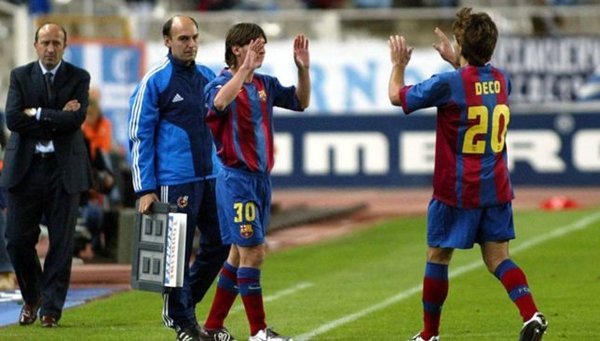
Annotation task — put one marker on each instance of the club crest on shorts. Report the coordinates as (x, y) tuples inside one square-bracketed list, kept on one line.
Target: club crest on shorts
[(246, 231), (182, 202)]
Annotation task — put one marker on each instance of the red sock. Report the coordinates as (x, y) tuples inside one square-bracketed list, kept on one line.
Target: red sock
[(515, 283), (220, 308), (435, 291), (255, 313), (251, 293), (224, 297)]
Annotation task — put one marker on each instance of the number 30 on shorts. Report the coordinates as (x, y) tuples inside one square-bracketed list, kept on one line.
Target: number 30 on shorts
[(244, 212), (473, 144)]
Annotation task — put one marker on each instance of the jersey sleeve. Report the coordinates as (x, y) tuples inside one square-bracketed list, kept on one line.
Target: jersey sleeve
[(210, 92), (283, 96), (143, 118), (432, 92)]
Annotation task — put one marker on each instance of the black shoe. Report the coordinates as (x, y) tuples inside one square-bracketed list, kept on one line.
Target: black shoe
[(29, 313), (216, 335), (534, 329), (49, 321), (189, 333)]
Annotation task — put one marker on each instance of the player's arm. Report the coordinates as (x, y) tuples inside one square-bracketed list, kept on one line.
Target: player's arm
[(400, 54), (302, 60), (445, 48), (230, 90)]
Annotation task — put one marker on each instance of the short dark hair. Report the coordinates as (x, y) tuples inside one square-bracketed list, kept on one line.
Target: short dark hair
[(37, 32), (166, 29), (477, 34), (240, 35)]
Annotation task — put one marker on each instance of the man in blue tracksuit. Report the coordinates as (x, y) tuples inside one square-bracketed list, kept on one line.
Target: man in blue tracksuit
[(171, 150)]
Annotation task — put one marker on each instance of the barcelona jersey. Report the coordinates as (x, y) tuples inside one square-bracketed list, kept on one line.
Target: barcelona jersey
[(471, 168), (243, 131)]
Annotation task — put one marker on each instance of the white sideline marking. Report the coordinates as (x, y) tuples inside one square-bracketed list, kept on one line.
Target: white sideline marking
[(559, 232), (278, 295)]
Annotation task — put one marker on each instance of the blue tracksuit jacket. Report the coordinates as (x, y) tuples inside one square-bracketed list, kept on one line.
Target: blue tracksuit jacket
[(168, 140)]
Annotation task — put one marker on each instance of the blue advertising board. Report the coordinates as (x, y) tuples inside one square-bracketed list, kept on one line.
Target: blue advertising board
[(557, 149)]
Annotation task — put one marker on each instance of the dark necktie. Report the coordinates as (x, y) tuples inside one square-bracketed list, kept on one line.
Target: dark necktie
[(49, 91)]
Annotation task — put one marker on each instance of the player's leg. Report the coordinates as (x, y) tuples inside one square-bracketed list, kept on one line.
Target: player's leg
[(515, 282), (225, 294), (253, 215), (435, 290), (497, 229), (253, 212), (495, 255), (447, 228), (251, 259)]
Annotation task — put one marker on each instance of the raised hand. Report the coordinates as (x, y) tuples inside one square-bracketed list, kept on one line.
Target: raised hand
[(400, 52), (445, 49), (255, 54), (301, 54)]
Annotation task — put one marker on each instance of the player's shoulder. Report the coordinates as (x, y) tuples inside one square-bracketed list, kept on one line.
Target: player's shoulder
[(268, 81), (223, 77), (451, 74), (456, 75), (216, 83), (441, 78), (265, 77), (500, 70)]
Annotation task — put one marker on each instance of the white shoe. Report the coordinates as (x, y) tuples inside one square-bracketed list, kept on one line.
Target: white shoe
[(268, 334), (419, 338)]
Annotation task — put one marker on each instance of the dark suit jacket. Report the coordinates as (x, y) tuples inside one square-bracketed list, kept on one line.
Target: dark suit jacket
[(27, 90)]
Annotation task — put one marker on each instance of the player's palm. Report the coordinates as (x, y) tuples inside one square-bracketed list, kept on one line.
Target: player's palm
[(301, 54), (444, 47), (400, 52), (255, 54)]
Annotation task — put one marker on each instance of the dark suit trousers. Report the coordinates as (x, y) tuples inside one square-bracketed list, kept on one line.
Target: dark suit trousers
[(42, 194)]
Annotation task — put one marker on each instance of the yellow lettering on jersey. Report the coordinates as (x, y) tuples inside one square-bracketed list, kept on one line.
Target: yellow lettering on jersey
[(487, 88)]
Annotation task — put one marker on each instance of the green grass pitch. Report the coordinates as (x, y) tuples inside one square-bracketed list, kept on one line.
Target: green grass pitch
[(366, 286)]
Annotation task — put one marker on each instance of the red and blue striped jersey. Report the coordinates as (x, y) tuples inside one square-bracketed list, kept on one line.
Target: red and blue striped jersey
[(471, 168), (243, 131)]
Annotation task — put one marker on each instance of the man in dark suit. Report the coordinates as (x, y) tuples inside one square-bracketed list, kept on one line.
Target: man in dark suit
[(46, 168)]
